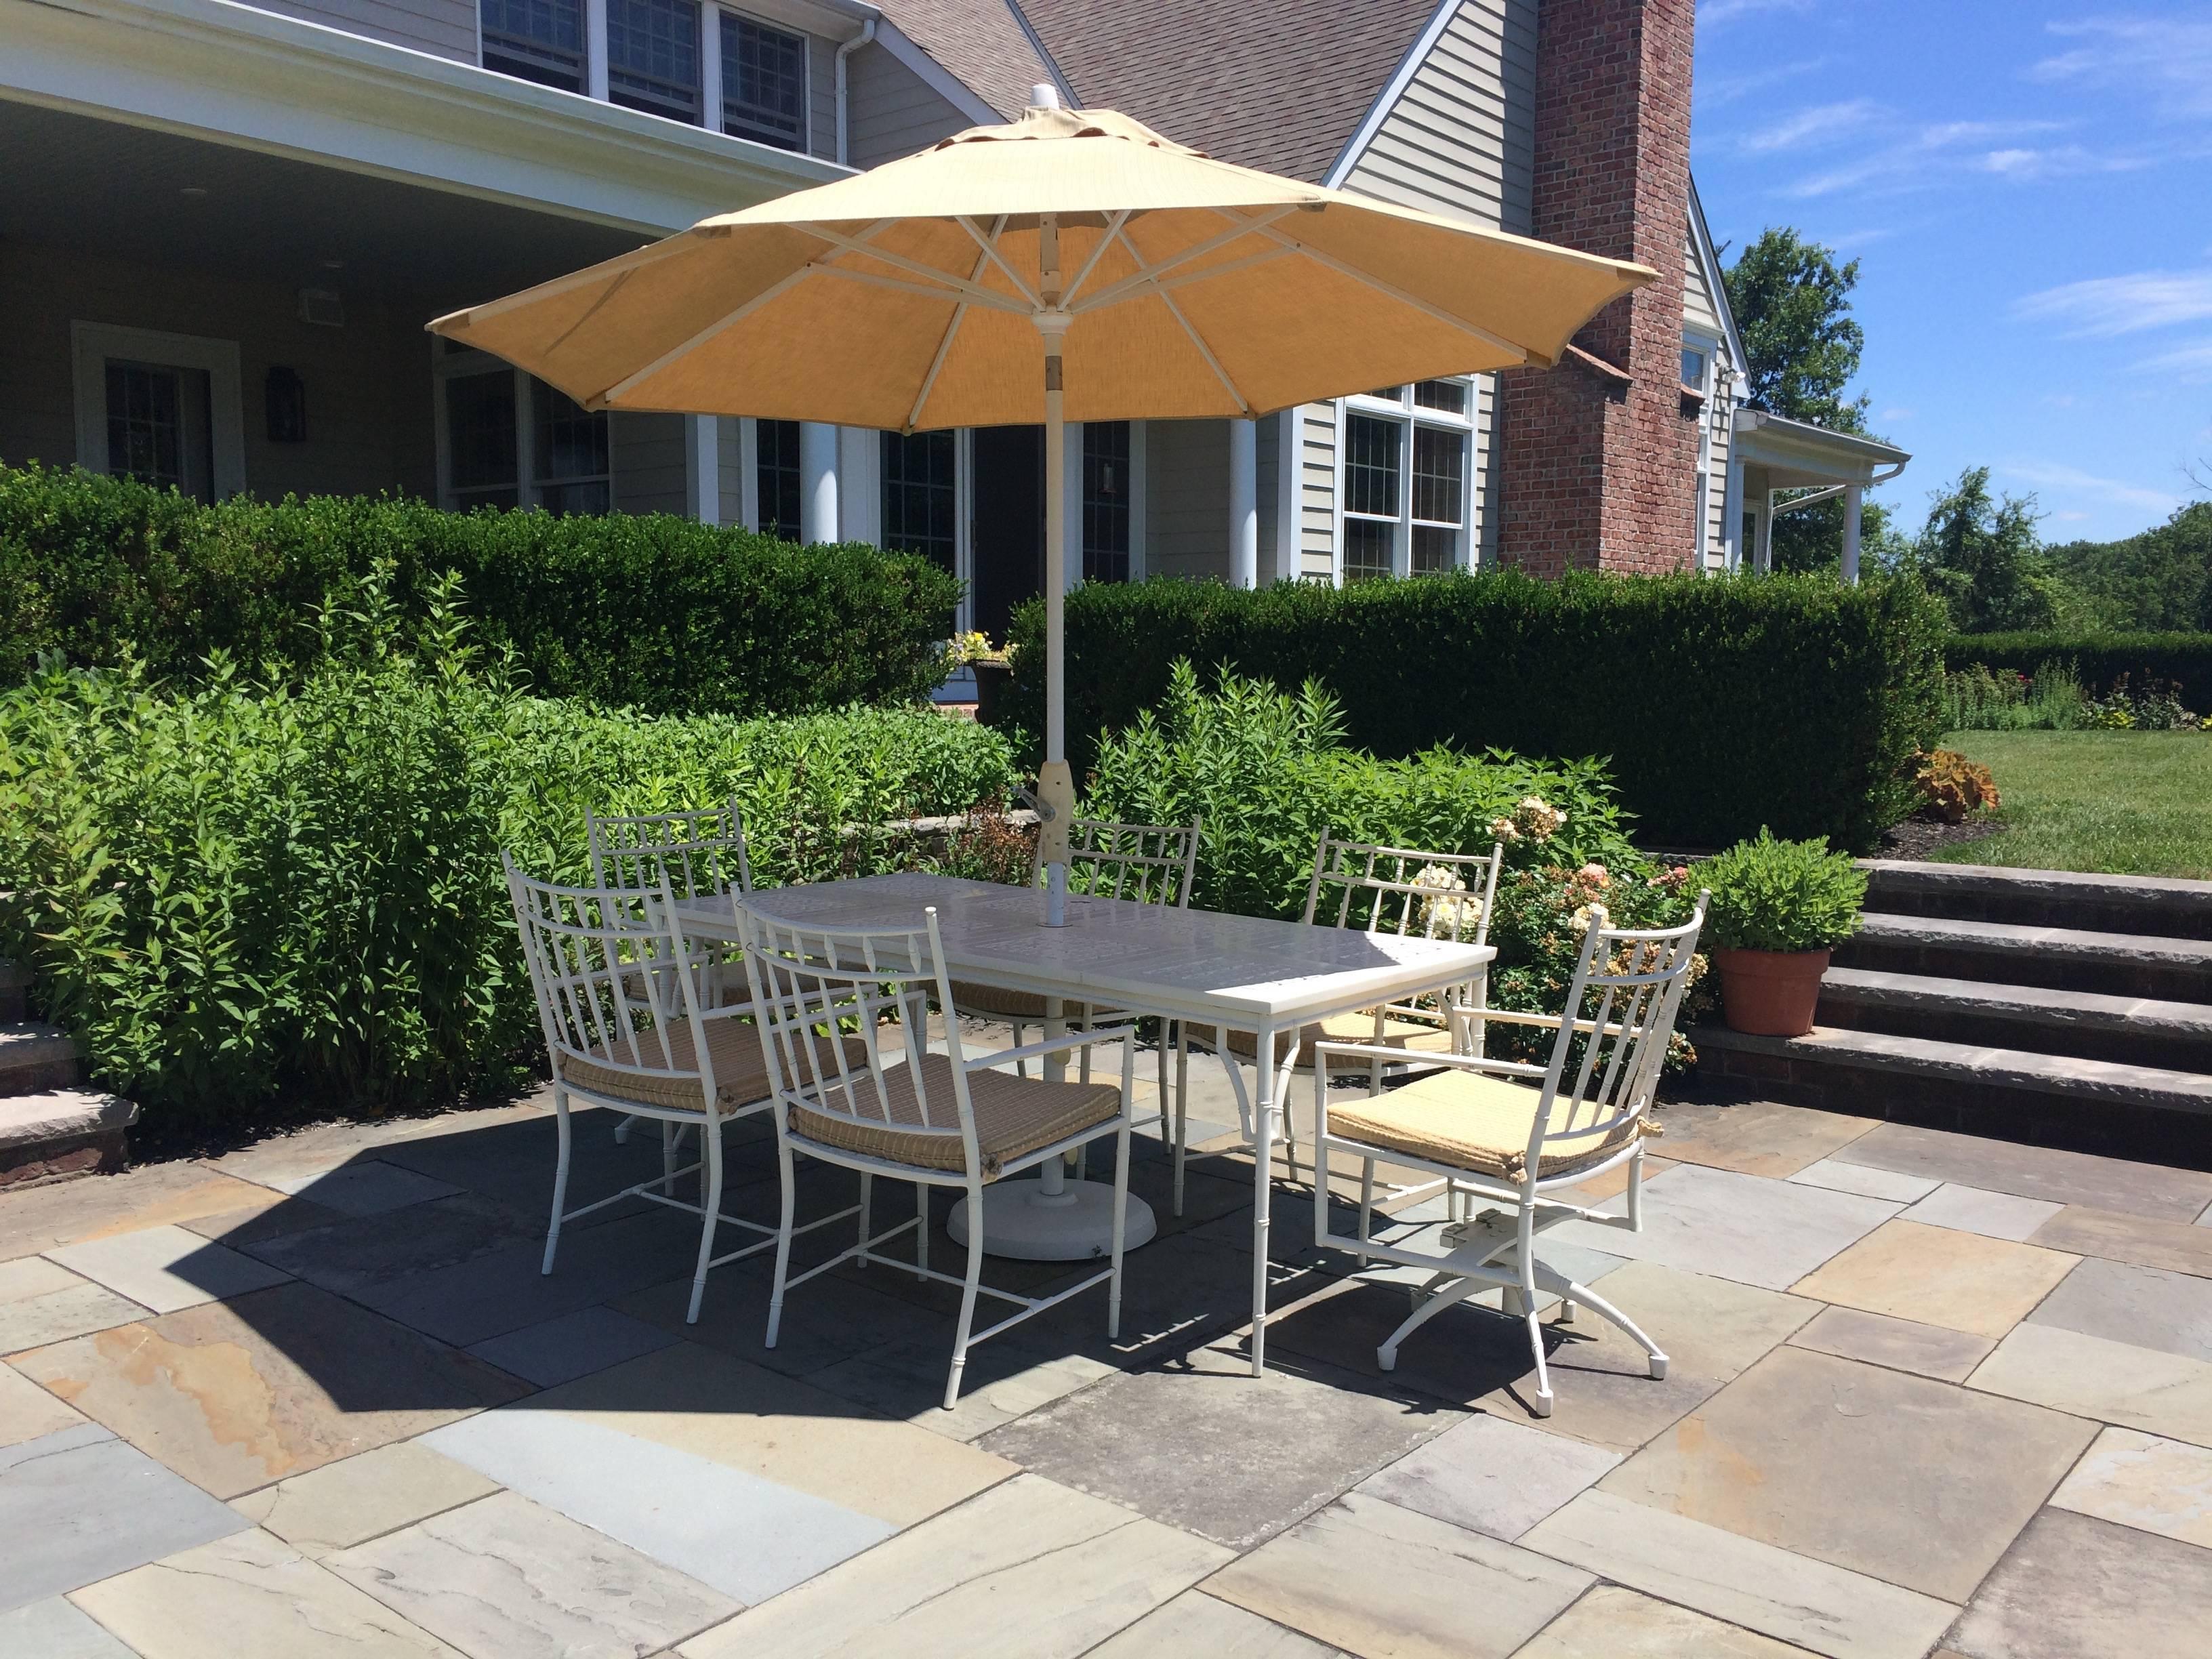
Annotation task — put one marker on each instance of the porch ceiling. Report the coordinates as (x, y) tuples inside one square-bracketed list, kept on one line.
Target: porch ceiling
[(78, 181)]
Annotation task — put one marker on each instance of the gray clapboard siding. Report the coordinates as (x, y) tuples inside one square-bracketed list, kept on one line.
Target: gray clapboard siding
[(729, 464), (895, 111), (446, 28), (1720, 418), (1187, 498), (649, 471), (1317, 490), (1698, 308), (822, 95)]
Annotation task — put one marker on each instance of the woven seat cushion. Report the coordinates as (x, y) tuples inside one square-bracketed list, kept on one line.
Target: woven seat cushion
[(991, 1002), (1478, 1122), (733, 1045), (1013, 1115), (1415, 1037)]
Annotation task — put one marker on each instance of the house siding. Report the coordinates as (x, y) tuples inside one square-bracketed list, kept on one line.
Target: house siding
[(444, 29), (647, 456), (821, 95), (1317, 492), (1187, 498), (1719, 420), (1267, 473), (1699, 310), (895, 111)]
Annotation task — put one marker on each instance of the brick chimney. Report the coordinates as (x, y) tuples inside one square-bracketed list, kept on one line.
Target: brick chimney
[(1599, 457)]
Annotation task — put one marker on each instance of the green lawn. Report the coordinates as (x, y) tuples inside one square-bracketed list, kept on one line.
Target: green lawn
[(2127, 803)]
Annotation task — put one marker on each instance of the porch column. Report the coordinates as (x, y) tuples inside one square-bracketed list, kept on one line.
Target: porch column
[(1732, 513), (1852, 495), (1763, 556), (702, 444), (1243, 504), (595, 49), (1289, 464), (817, 481)]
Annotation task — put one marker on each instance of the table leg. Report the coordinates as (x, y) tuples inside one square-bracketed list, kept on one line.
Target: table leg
[(1263, 1166)]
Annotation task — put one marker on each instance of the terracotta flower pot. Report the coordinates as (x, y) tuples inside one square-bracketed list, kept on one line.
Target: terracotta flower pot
[(1770, 993)]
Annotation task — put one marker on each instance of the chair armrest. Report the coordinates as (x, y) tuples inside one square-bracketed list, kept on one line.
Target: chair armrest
[(1455, 1062), (1549, 1022), (1049, 1045)]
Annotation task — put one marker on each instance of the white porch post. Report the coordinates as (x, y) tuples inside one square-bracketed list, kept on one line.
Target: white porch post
[(1732, 513), (1763, 556), (1243, 504), (1288, 462), (702, 445), (1853, 495), (859, 484), (595, 49), (710, 67), (817, 481)]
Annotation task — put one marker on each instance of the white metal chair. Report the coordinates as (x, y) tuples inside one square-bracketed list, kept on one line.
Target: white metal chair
[(1500, 1130), (894, 1109), (630, 1025)]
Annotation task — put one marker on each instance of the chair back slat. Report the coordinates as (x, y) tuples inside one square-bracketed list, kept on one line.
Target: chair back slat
[(1403, 889), (1147, 863), (701, 854)]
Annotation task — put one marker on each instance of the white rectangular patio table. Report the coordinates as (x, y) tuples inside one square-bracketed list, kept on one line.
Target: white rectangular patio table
[(1244, 973)]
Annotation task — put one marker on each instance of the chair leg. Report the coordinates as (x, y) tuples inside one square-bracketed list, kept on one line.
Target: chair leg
[(1161, 1054), (1386, 1356), (1121, 1224), (967, 1294), (560, 1178), (1541, 1402), (710, 1148), (1181, 1110), (782, 1244), (1366, 1207), (921, 1228), (1021, 1067), (667, 1158), (1654, 1358), (621, 1130), (867, 1209)]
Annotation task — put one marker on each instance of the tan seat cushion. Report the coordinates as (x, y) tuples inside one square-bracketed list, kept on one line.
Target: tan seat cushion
[(733, 1045), (1013, 1116), (1478, 1122), (991, 1002), (1415, 1037)]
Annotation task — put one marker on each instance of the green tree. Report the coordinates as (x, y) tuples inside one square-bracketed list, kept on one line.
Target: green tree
[(1983, 557), (2160, 579)]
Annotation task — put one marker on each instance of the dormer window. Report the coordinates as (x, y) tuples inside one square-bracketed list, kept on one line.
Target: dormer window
[(763, 83), (652, 56), (540, 40)]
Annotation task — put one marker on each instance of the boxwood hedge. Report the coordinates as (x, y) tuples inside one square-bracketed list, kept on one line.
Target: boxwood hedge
[(2098, 659)]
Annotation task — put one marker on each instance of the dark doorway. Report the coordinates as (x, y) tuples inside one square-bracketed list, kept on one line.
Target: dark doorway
[(1009, 541)]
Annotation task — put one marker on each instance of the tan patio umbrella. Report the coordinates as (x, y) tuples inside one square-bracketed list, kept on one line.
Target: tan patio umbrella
[(1070, 265)]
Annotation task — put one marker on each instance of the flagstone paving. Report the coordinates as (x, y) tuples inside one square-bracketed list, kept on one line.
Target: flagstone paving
[(1928, 1394)]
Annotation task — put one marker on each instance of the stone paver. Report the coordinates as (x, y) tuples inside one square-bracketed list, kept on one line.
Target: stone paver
[(1755, 1137), (1029, 1570), (365, 1255), (78, 1506), (167, 1267), (1766, 1457), (1007, 1378), (1900, 1344), (1971, 1209), (2076, 1588), (1612, 1623), (1490, 1474), (249, 1596), (1865, 1180), (368, 1188), (37, 1317), (2042, 1172), (27, 1411), (2145, 1389), (69, 1211), (2144, 1482), (2143, 1307), (233, 1396), (2118, 1238), (1200, 1627), (1807, 1603), (342, 1504), (1373, 1579), (1752, 1229), (57, 1629), (570, 1346), (505, 1576), (1939, 1276)]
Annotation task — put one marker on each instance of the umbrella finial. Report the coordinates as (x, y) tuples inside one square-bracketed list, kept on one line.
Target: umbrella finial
[(1044, 95)]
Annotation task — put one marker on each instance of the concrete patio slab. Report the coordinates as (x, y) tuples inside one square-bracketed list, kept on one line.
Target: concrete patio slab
[(1754, 1137), (1807, 1603), (57, 1629), (2143, 1307), (2118, 1238), (79, 1506), (1373, 1579), (2145, 1389), (1865, 1180), (1902, 1345), (1612, 1623), (505, 1576), (1751, 1228), (2141, 1481), (1765, 1456), (78, 1308), (1194, 1624), (1974, 1210), (2076, 1588), (40, 1217), (367, 1187), (33, 1276), (1028, 1570), (251, 1596), (570, 1346), (825, 1321), (27, 1411), (2043, 1172), (360, 1255), (344, 1503), (272, 1216), (1491, 1475), (233, 1396), (1939, 1276), (167, 1267), (1005, 1379)]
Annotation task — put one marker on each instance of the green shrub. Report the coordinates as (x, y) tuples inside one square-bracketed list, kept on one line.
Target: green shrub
[(653, 612), (1714, 704), (2184, 661), (246, 898), (1772, 895)]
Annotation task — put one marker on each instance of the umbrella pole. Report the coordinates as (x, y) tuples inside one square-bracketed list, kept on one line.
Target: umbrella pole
[(1056, 784)]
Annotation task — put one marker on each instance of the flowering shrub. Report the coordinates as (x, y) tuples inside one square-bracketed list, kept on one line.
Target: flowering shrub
[(2156, 707), (1953, 785)]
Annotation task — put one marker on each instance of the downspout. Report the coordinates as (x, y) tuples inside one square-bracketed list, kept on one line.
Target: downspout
[(844, 93)]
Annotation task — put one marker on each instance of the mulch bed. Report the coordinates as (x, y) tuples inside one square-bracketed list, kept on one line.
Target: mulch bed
[(1923, 838)]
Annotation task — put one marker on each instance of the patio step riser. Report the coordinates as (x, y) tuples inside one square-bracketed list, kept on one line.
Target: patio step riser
[(14, 993), (2136, 1044), (2036, 898), (35, 1058), (2119, 974)]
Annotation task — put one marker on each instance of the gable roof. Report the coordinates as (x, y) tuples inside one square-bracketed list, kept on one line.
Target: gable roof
[(1282, 86), (985, 44)]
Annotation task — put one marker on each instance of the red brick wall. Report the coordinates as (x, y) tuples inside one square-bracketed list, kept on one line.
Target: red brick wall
[(1597, 474)]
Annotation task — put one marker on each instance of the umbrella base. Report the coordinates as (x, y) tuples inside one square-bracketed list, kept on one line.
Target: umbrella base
[(1021, 1220)]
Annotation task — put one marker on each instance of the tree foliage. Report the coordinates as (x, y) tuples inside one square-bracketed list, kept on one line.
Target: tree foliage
[(2159, 580), (1982, 555)]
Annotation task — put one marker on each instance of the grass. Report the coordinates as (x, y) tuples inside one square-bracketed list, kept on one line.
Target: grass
[(2122, 803)]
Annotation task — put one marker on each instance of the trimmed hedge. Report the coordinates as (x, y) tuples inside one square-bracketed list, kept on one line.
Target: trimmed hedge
[(2098, 660), (653, 612), (1718, 704)]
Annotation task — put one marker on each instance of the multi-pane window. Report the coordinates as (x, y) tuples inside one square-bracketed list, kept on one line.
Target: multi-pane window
[(920, 499), (652, 56), (1106, 502), (573, 474), (145, 424), (777, 470), (1406, 467), (540, 40), (1694, 367), (763, 83), (480, 441)]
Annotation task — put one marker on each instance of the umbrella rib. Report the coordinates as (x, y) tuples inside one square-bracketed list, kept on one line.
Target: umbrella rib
[(991, 252), (945, 344), (619, 267), (1149, 276), (1115, 221), (955, 284), (620, 387), (961, 295), (1176, 311), (1391, 291)]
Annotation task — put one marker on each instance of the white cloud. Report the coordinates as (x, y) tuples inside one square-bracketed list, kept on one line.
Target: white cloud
[(1915, 157), (1888, 415), (1715, 13), (2106, 307), (2167, 59), (1857, 239), (1821, 124), (1723, 90), (2073, 481), (2192, 363), (2070, 516), (2058, 161)]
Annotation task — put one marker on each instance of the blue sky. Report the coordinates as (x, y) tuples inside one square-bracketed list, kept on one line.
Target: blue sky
[(2028, 189)]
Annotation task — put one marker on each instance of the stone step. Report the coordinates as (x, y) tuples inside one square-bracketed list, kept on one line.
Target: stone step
[(2014, 1094), (15, 990), (2011, 953), (2154, 905), (35, 1057), (62, 1132), (2131, 1031)]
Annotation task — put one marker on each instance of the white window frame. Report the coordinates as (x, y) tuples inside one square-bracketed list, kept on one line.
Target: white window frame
[(1696, 339), (91, 345), (446, 365), (781, 26), (1409, 416)]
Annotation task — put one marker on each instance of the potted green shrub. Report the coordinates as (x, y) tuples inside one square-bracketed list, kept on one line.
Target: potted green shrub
[(1778, 909)]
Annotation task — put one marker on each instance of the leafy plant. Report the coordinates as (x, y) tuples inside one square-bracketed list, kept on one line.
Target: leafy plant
[(2183, 661), (1789, 896), (1954, 786)]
